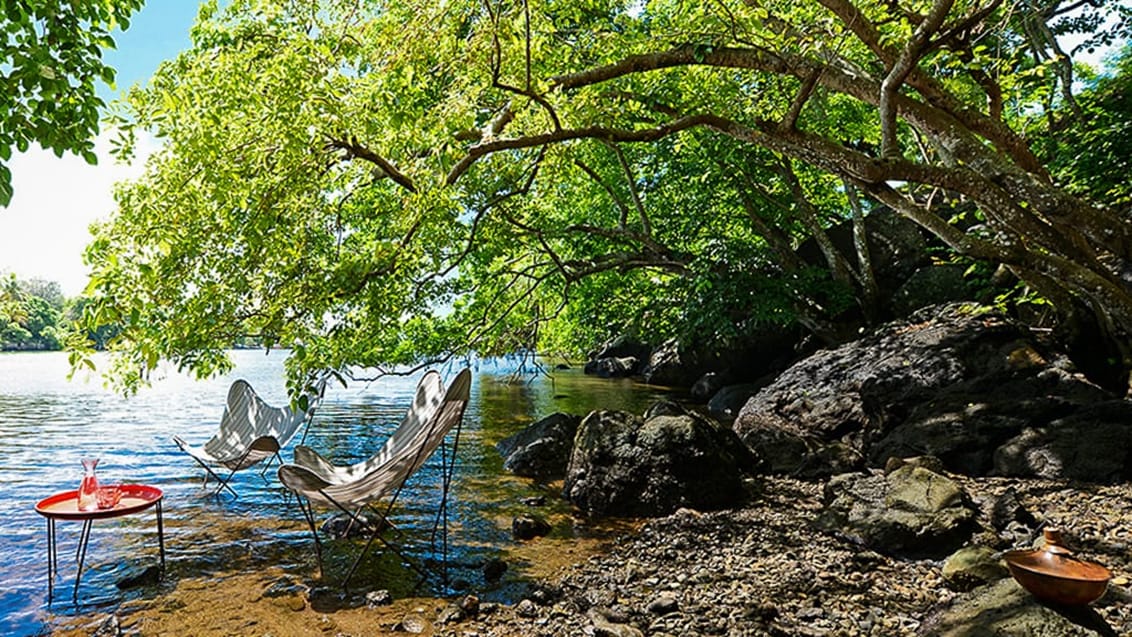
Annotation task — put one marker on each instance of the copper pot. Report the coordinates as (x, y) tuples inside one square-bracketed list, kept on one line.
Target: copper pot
[(1052, 574)]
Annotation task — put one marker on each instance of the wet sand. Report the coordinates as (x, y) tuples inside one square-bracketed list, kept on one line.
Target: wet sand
[(275, 590)]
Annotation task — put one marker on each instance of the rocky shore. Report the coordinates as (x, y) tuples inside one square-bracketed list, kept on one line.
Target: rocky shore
[(765, 569), (867, 490)]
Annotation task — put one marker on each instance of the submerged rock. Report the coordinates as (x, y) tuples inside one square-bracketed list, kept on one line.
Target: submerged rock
[(148, 576), (542, 450), (342, 526), (287, 593), (528, 527), (494, 569), (624, 465)]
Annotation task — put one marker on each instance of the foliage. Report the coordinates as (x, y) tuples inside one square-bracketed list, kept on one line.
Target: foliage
[(50, 61), (1105, 136), (394, 182), (31, 315)]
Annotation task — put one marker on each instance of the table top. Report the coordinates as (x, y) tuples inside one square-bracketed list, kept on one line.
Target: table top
[(65, 505)]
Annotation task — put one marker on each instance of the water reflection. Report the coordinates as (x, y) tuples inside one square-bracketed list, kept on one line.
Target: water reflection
[(48, 424)]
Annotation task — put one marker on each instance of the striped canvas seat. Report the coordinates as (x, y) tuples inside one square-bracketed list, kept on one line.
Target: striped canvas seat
[(250, 432), (433, 414)]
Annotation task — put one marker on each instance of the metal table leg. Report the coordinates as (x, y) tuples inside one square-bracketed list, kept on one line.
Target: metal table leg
[(52, 565), (84, 539), (161, 536)]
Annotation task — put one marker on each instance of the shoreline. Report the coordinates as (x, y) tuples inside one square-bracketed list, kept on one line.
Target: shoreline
[(756, 570)]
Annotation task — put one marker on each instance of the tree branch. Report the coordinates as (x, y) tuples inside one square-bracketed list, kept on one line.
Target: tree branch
[(790, 120), (354, 149), (909, 57), (622, 209), (646, 226)]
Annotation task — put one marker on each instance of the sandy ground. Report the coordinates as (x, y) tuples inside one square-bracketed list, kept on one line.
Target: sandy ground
[(286, 599)]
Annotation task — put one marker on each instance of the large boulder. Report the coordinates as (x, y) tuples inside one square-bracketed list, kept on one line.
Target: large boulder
[(624, 465), (953, 381), (728, 401), (623, 346), (965, 424), (897, 247), (707, 385), (542, 450), (911, 511), (612, 367), (931, 285), (618, 358), (1091, 444), (672, 365), (755, 354)]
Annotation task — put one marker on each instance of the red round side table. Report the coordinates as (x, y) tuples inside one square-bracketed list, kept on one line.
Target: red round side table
[(65, 506)]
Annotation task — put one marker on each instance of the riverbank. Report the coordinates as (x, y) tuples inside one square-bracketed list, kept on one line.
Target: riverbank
[(757, 570)]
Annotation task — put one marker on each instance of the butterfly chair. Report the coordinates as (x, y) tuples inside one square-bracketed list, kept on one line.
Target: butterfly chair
[(250, 432), (352, 489)]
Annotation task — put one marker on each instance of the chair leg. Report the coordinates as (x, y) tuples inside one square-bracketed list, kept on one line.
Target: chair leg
[(375, 535), (224, 483), (308, 512), (210, 472), (267, 465)]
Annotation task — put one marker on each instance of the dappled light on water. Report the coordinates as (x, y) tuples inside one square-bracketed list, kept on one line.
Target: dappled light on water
[(215, 545)]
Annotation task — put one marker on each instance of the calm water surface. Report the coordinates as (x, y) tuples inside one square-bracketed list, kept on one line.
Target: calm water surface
[(48, 424)]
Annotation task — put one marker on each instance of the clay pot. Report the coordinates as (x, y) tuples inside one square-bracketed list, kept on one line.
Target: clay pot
[(1053, 575)]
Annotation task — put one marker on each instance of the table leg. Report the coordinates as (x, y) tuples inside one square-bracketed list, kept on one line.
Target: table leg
[(84, 538), (161, 536), (51, 563), (54, 549)]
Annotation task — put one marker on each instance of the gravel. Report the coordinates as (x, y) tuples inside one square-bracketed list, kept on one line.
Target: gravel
[(763, 570)]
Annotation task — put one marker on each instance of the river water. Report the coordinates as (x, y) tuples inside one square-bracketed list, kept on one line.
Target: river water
[(48, 424)]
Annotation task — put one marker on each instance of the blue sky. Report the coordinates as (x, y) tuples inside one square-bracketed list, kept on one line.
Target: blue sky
[(158, 32), (45, 229)]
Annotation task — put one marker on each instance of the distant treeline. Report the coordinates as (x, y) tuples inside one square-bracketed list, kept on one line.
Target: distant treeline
[(34, 315)]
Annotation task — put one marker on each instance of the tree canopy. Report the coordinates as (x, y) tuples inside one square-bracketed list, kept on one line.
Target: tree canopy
[(32, 314), (375, 183), (50, 62)]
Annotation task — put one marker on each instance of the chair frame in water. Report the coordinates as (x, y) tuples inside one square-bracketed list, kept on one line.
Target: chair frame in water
[(250, 432), (353, 489)]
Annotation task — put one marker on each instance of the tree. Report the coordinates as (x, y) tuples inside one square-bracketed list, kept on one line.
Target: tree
[(50, 60), (1106, 133), (12, 312), (390, 182), (30, 314)]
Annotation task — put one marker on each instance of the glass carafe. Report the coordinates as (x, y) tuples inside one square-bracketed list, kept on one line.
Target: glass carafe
[(88, 490)]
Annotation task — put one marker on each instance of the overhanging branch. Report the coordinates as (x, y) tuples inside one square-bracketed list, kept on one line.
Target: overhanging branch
[(355, 149)]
